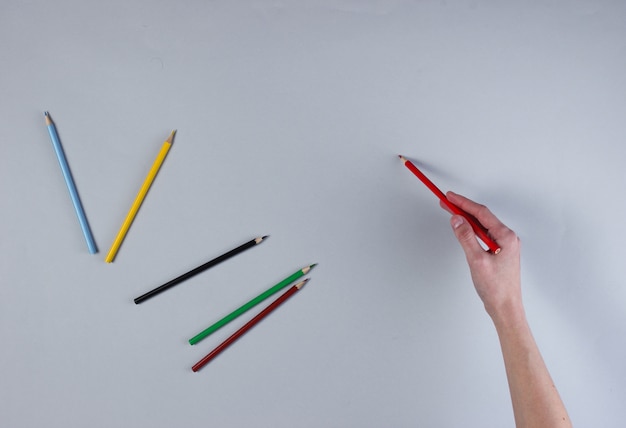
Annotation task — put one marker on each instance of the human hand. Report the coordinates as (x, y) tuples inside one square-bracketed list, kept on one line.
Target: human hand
[(496, 277), (536, 402)]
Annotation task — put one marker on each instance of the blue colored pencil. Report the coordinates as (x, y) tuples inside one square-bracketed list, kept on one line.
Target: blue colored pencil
[(91, 244)]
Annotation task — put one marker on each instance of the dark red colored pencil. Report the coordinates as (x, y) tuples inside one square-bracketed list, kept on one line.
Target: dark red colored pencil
[(225, 344), (478, 228)]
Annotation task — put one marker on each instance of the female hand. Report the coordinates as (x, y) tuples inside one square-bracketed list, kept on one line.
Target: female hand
[(496, 277)]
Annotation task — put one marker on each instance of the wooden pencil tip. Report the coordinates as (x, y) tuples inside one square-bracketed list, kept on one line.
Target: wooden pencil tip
[(170, 139), (260, 239), (302, 283)]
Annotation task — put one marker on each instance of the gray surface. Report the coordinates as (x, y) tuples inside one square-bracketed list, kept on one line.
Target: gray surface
[(290, 116)]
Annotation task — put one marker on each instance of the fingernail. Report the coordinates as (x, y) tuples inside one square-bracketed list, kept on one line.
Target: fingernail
[(457, 221)]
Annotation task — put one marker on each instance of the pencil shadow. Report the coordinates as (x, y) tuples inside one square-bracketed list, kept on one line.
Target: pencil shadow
[(432, 170)]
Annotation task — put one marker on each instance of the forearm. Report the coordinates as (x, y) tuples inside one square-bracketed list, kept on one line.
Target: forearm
[(536, 401)]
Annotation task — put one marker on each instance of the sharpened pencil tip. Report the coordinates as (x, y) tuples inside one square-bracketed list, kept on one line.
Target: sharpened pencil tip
[(308, 268), (260, 239), (45, 113), (302, 283), (170, 139)]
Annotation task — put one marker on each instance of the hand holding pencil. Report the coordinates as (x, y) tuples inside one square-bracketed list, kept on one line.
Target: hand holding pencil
[(478, 228), (496, 279)]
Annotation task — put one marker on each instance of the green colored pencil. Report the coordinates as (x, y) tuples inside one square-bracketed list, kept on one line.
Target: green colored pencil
[(252, 303)]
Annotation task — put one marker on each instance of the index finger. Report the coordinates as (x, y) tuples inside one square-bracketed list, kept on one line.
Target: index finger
[(479, 211)]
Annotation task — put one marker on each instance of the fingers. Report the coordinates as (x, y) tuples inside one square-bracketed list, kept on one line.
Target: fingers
[(466, 237), (480, 212), (495, 228)]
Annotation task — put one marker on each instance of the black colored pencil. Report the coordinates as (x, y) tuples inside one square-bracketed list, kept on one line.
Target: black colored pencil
[(200, 268)]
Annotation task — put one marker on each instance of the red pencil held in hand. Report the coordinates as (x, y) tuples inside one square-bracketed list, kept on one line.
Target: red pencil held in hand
[(478, 228)]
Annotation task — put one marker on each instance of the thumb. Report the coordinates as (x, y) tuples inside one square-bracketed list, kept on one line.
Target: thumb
[(466, 236)]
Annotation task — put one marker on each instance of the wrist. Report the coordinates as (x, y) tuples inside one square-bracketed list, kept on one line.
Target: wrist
[(507, 314)]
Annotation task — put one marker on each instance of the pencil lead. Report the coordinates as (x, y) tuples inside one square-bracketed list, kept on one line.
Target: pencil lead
[(313, 265), (45, 113), (402, 158)]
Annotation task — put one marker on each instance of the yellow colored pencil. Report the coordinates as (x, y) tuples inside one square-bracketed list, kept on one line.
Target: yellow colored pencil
[(140, 197)]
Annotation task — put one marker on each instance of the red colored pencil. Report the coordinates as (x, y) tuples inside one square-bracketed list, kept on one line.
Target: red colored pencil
[(225, 344), (476, 226)]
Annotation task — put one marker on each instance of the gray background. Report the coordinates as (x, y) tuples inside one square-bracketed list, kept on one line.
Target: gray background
[(290, 116)]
